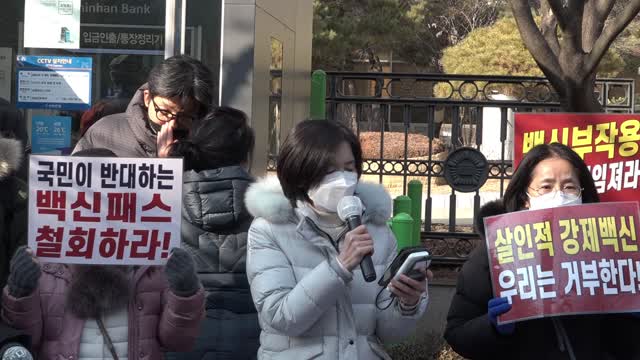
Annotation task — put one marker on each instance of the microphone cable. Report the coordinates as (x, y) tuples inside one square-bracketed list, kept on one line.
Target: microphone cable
[(380, 302)]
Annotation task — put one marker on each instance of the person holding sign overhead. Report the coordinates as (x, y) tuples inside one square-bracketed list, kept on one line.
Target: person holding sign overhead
[(550, 175), (303, 261), (89, 311)]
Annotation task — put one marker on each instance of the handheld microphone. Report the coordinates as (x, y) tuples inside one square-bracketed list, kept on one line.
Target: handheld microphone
[(15, 351), (350, 211)]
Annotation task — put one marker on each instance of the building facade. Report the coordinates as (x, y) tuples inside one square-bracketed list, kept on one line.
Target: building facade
[(259, 51)]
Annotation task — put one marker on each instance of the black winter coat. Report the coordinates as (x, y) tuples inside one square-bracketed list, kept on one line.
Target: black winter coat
[(13, 204), (215, 223), (13, 125), (470, 333)]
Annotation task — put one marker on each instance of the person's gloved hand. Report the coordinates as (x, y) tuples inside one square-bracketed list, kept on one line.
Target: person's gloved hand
[(499, 306), (181, 273), (24, 273)]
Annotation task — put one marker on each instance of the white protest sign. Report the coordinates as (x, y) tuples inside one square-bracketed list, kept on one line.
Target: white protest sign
[(108, 211)]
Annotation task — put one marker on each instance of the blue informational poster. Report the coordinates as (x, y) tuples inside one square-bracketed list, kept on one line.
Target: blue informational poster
[(54, 82), (51, 135)]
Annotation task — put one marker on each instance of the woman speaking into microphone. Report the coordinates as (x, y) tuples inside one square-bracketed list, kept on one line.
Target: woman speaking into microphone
[(303, 261)]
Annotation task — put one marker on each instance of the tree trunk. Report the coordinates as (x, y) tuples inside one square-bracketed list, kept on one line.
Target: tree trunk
[(576, 92), (579, 85), (581, 96), (570, 62)]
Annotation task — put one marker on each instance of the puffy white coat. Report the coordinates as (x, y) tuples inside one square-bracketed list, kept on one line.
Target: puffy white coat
[(310, 307), (92, 343)]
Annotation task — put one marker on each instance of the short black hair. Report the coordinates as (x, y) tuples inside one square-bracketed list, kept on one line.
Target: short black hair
[(222, 138), (184, 78), (309, 152), (515, 196)]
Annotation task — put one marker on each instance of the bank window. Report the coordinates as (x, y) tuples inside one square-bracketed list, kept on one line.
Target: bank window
[(84, 61), (275, 98)]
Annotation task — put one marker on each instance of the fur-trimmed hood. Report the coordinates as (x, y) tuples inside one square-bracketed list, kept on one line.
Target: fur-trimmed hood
[(265, 199), (491, 208), (11, 154)]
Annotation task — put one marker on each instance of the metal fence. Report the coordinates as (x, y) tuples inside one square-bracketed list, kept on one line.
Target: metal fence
[(408, 123)]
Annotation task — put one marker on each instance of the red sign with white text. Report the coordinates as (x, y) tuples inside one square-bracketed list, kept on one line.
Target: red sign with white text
[(608, 143), (568, 260)]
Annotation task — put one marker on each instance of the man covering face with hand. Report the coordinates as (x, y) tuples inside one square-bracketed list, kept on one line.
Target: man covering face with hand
[(178, 90)]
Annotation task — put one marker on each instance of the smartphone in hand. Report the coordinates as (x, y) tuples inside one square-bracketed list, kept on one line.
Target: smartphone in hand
[(412, 262)]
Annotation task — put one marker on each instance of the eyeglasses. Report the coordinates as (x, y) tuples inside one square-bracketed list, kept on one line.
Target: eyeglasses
[(568, 189), (166, 115)]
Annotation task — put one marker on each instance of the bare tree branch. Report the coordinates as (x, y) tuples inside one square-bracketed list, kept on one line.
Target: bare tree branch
[(549, 28), (590, 24), (537, 45), (604, 8), (463, 16), (618, 7), (576, 8), (560, 13), (470, 22), (570, 22), (629, 43), (595, 15), (610, 33)]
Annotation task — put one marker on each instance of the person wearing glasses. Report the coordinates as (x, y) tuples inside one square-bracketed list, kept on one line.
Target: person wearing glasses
[(178, 91), (550, 175)]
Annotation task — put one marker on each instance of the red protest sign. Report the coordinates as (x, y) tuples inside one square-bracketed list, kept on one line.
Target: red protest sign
[(567, 260), (608, 143), (92, 210)]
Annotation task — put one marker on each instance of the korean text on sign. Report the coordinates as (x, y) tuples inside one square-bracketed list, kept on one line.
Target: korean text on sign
[(608, 143), (566, 260), (91, 210)]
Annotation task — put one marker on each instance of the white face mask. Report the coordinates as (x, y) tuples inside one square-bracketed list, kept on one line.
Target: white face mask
[(552, 200), (332, 189)]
